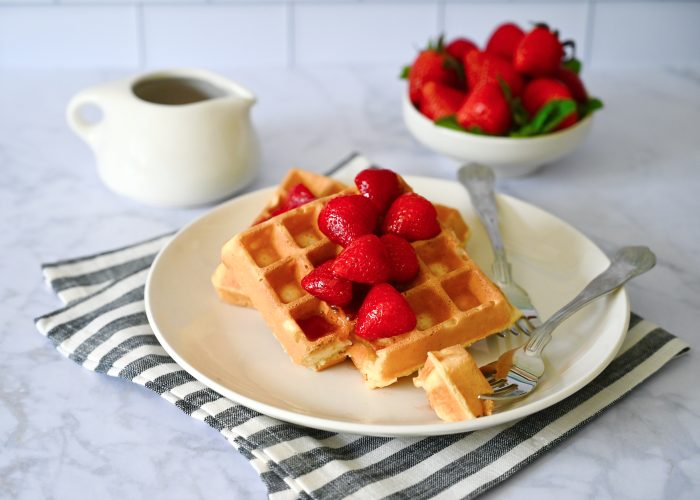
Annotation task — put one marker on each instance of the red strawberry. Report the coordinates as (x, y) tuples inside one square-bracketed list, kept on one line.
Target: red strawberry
[(460, 47), (346, 217), (486, 109), (384, 313), (322, 283), (504, 40), (483, 67), (363, 261), (412, 217), (379, 185), (431, 65), (539, 53), (574, 84), (296, 196), (542, 90), (402, 258), (439, 101)]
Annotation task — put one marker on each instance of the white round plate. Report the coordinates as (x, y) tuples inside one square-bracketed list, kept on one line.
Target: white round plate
[(231, 350)]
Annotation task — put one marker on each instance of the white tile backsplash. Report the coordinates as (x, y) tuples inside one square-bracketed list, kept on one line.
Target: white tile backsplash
[(216, 35), (232, 33), (354, 32), (629, 35), (69, 36)]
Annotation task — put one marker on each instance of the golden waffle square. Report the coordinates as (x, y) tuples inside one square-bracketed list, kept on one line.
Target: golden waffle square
[(452, 382), (455, 303)]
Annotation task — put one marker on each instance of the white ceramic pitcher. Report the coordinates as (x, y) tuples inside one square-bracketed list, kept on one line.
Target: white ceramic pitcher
[(170, 138)]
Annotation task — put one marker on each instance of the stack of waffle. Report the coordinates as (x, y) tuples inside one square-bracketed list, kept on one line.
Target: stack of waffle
[(454, 301)]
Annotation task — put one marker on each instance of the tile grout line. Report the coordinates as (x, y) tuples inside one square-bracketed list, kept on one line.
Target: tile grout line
[(291, 34)]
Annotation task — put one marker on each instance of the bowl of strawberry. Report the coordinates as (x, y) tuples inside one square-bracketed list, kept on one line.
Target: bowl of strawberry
[(517, 104)]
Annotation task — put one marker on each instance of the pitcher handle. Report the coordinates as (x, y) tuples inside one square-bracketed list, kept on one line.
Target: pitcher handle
[(83, 128)]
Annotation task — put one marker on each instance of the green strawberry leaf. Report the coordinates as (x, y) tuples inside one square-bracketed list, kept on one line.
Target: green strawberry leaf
[(437, 45), (474, 129), (517, 110), (547, 118), (449, 122), (573, 64), (405, 71), (588, 107)]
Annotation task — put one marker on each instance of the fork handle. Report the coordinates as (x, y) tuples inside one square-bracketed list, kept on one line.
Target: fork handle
[(628, 263), (479, 181)]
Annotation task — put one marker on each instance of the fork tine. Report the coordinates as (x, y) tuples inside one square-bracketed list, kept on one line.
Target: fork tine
[(518, 330), (505, 390), (531, 326), (502, 334), (524, 325), (498, 384)]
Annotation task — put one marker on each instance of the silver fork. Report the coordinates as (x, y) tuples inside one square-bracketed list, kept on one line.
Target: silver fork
[(479, 181), (525, 365)]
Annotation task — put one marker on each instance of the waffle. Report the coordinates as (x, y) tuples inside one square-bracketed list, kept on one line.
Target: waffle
[(224, 279), (452, 381), (271, 258), (455, 303)]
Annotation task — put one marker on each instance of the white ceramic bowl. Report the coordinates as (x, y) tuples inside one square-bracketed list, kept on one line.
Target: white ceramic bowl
[(508, 156)]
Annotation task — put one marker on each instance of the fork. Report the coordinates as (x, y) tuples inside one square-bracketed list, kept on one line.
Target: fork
[(479, 181), (525, 365)]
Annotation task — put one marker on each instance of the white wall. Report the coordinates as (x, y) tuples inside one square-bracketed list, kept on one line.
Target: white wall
[(236, 33)]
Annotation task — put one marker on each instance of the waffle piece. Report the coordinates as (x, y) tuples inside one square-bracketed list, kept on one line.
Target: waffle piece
[(452, 382), (455, 303), (270, 259)]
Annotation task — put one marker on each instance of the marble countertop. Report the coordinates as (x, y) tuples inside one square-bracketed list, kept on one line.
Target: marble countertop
[(69, 433)]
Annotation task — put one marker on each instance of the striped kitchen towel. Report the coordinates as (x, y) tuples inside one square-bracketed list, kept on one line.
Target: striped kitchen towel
[(104, 328)]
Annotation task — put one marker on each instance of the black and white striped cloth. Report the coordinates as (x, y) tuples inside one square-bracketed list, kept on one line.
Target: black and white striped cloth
[(104, 328)]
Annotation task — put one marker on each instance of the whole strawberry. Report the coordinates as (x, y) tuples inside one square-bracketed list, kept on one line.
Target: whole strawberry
[(384, 313), (439, 101), (483, 67), (432, 65), (573, 83), (322, 283), (363, 261), (347, 217), (539, 53), (460, 47), (412, 217), (543, 90), (486, 110), (504, 40), (402, 258), (379, 185)]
